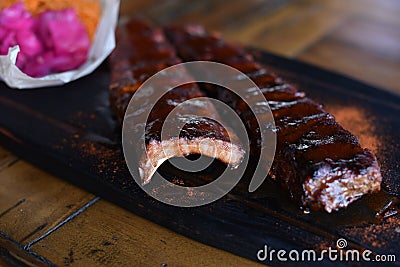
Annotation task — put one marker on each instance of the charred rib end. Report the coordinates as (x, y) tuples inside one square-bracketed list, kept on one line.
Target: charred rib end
[(339, 188), (160, 151)]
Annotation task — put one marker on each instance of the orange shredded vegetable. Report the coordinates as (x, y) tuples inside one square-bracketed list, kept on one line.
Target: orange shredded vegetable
[(89, 11)]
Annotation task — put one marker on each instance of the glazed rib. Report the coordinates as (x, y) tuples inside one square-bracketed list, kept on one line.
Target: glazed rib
[(320, 164), (141, 52)]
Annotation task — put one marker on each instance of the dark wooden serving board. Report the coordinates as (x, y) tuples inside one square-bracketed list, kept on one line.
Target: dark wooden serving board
[(70, 131)]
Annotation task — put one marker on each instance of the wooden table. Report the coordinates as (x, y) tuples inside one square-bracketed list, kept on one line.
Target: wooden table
[(41, 225)]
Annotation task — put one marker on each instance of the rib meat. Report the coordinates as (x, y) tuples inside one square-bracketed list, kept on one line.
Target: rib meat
[(319, 163), (141, 52)]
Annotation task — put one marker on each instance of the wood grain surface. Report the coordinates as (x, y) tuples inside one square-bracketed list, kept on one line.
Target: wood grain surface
[(41, 225)]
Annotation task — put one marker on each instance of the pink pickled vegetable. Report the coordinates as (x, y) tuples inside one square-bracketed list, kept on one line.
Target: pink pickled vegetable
[(8, 41), (3, 33), (16, 17), (29, 43), (55, 41)]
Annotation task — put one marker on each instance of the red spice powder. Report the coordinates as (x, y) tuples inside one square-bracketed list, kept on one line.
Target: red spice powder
[(355, 120)]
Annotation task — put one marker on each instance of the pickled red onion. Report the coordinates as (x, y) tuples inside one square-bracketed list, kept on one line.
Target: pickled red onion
[(54, 41)]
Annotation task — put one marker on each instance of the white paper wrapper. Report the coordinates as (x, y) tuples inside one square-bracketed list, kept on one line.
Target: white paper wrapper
[(102, 46)]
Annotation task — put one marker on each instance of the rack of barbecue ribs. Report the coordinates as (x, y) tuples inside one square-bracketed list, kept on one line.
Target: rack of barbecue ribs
[(141, 52), (320, 164)]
